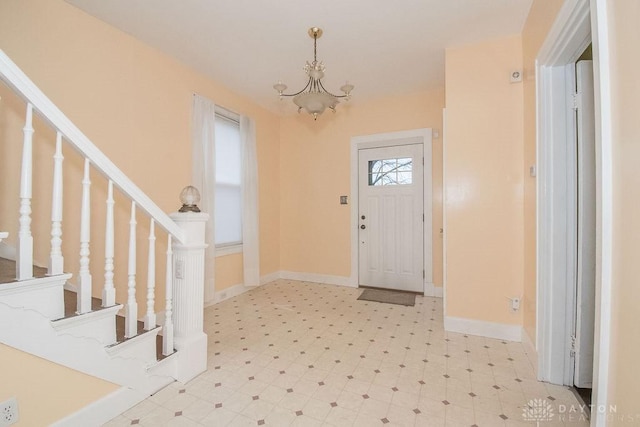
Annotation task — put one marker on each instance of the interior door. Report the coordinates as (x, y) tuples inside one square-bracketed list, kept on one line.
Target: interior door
[(586, 274), (391, 217)]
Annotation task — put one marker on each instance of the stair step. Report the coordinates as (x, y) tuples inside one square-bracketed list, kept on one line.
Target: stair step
[(97, 324), (8, 271), (42, 293), (70, 299), (141, 347)]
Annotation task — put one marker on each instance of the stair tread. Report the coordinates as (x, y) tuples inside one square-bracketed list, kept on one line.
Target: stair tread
[(8, 271), (8, 275), (70, 301)]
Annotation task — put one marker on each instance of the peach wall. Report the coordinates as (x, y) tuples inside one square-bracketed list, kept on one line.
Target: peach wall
[(46, 392), (539, 21), (484, 179), (135, 104), (625, 94), (315, 171)]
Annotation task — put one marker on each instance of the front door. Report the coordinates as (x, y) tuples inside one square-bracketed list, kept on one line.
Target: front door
[(391, 217)]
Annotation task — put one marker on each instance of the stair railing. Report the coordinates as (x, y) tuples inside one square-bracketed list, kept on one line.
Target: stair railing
[(177, 236)]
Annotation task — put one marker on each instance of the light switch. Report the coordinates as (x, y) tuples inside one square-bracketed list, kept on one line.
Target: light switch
[(344, 200)]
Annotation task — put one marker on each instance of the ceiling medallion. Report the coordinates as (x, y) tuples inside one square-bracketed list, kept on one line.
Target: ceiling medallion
[(314, 98)]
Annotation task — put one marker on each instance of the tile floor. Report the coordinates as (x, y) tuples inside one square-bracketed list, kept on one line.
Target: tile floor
[(307, 354)]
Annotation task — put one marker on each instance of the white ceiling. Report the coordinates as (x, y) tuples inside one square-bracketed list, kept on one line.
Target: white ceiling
[(383, 47)]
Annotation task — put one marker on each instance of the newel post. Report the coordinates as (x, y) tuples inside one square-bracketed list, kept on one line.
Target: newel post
[(188, 291)]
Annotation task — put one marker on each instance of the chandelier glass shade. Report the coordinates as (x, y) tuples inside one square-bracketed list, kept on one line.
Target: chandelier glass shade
[(314, 98)]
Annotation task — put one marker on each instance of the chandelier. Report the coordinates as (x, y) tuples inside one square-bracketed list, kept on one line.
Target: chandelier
[(314, 98)]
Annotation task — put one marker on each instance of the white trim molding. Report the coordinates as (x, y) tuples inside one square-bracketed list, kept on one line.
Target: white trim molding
[(431, 290), (578, 23), (530, 350), (501, 331), (318, 278), (103, 410), (227, 293)]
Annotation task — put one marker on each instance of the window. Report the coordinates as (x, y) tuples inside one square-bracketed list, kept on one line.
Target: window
[(390, 171), (228, 197)]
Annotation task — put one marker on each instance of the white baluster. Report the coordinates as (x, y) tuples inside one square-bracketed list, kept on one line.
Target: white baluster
[(24, 265), (131, 309), (167, 332), (109, 292), (56, 260), (84, 277), (150, 318)]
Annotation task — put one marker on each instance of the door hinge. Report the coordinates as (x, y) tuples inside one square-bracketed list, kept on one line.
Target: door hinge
[(423, 274), (572, 352), (575, 101), (422, 217)]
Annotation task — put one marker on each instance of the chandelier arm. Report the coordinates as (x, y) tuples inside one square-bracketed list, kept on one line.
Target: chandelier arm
[(298, 93), (335, 96)]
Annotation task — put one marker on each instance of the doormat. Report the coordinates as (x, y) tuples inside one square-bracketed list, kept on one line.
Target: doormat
[(388, 297)]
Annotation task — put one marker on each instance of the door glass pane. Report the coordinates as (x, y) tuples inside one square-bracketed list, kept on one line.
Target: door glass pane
[(390, 171)]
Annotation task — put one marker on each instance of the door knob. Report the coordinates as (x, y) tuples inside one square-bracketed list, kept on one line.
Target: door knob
[(363, 226), (363, 217)]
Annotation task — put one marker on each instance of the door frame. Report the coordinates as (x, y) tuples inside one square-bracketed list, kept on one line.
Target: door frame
[(577, 23), (415, 136)]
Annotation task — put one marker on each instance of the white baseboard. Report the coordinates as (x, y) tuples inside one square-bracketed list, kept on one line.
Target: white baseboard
[(430, 290), (104, 409), (227, 293), (530, 349), (485, 329), (268, 278), (318, 278)]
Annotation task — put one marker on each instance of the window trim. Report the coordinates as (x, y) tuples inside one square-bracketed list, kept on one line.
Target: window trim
[(228, 249)]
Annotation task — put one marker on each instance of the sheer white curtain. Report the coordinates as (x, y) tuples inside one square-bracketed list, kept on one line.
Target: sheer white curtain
[(250, 240), (204, 179)]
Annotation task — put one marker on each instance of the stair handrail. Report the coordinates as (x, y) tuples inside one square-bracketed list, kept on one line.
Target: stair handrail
[(13, 76)]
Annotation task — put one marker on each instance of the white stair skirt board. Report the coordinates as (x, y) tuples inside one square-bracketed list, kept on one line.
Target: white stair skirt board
[(45, 295), (85, 354), (104, 409), (430, 290), (141, 347), (99, 324), (484, 329), (318, 278)]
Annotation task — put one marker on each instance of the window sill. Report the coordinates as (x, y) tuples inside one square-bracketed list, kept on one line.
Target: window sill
[(228, 250)]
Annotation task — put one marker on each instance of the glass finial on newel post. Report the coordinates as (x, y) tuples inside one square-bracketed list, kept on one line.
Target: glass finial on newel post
[(190, 197)]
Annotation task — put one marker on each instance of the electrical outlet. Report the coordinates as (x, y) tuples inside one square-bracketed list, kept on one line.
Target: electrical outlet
[(515, 304), (9, 412)]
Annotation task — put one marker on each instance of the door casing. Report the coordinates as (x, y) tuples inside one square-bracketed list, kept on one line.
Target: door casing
[(577, 23), (414, 136)]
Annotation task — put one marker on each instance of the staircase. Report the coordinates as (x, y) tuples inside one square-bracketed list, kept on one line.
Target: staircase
[(54, 314)]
